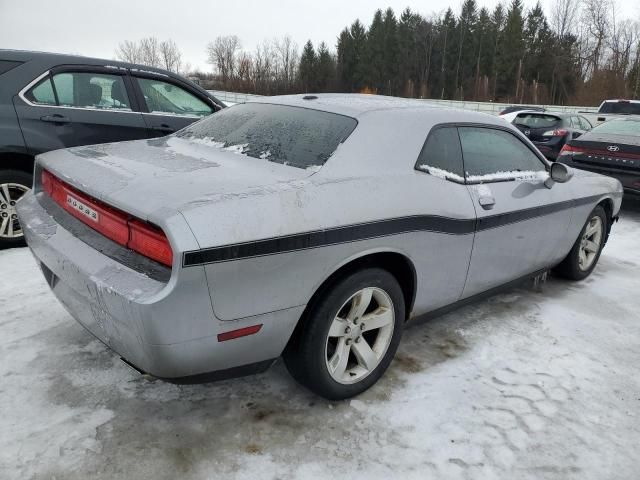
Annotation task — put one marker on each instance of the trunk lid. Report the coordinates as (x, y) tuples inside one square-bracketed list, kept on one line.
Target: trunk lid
[(613, 151), (148, 178)]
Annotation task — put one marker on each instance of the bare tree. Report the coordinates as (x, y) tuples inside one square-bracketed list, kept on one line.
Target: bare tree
[(151, 52), (222, 53), (170, 56), (286, 51), (597, 20), (128, 51), (563, 16)]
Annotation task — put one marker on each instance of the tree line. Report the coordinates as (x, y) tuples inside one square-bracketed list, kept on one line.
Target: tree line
[(580, 53)]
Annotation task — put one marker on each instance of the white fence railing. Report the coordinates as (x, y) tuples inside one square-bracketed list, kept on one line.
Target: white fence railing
[(486, 107)]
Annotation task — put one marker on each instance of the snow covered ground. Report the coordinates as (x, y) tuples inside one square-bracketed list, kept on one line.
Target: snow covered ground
[(525, 385)]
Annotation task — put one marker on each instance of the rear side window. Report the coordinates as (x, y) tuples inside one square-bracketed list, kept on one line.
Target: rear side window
[(441, 154), (91, 90), (493, 155), (81, 90), (537, 120), (6, 65), (625, 108), (295, 136), (163, 97), (42, 93)]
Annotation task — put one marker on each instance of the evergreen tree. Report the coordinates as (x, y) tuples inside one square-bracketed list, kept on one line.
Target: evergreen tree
[(511, 52), (326, 67), (465, 40), (390, 58), (307, 70), (376, 53)]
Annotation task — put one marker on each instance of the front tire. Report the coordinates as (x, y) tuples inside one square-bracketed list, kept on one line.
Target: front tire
[(350, 335), (584, 255), (13, 185)]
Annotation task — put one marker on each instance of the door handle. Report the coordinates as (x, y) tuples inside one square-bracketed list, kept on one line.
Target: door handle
[(56, 118), (163, 128), (486, 201)]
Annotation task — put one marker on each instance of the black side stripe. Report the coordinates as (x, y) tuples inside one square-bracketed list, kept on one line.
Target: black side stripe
[(332, 236), (370, 230)]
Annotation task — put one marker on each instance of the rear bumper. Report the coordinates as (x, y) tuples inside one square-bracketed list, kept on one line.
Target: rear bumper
[(167, 329)]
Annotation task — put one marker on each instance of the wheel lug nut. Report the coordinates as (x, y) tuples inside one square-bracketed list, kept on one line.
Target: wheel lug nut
[(4, 214), (355, 321), (362, 326), (12, 203), (357, 339), (348, 342), (347, 330)]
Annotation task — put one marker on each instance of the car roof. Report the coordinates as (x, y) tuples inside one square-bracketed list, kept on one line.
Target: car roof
[(358, 105), (62, 58)]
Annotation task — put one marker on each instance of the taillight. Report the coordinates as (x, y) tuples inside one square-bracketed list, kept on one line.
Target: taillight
[(570, 150), (558, 132), (150, 242), (114, 224)]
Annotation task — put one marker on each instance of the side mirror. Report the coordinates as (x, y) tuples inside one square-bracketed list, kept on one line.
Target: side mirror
[(560, 173)]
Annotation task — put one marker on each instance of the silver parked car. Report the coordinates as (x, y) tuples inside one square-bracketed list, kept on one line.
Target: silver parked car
[(310, 227)]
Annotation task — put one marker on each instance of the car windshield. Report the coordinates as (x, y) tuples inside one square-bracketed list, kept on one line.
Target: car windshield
[(300, 137), (619, 127), (621, 108), (537, 120)]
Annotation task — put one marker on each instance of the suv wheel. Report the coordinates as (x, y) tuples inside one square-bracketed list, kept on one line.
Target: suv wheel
[(350, 335), (13, 185)]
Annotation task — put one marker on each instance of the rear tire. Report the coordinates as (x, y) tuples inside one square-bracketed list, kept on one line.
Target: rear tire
[(350, 335), (13, 185), (584, 255)]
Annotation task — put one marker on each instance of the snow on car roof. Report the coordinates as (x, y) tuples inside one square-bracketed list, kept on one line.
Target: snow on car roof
[(358, 104)]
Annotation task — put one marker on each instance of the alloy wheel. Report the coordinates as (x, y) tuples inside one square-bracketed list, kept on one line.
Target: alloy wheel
[(10, 226), (359, 335), (590, 243)]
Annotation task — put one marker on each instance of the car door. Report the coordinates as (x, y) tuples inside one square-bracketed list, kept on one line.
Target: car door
[(168, 105), (444, 195), (520, 221), (76, 105)]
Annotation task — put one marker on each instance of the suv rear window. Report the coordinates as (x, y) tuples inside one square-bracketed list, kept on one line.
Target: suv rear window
[(624, 108), (300, 137), (537, 120)]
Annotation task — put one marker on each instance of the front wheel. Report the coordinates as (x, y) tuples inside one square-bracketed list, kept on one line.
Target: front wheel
[(350, 336), (13, 185), (584, 255)]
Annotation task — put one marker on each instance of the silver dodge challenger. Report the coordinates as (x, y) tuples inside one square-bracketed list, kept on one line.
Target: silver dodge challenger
[(308, 227)]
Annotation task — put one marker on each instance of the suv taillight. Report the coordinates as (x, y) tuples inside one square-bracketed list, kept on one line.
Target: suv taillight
[(114, 224)]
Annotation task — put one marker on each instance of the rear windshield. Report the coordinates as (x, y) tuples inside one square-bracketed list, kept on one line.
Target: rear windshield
[(537, 120), (295, 136), (624, 108), (619, 127)]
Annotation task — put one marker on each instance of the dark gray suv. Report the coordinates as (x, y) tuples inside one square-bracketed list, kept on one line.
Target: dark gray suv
[(50, 101)]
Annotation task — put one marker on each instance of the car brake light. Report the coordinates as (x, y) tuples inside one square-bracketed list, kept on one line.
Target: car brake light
[(114, 224), (558, 132), (150, 242), (570, 150)]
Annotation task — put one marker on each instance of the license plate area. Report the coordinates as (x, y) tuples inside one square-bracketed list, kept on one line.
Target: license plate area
[(77, 205)]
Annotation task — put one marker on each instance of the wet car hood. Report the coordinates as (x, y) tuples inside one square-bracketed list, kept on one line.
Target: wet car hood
[(150, 177)]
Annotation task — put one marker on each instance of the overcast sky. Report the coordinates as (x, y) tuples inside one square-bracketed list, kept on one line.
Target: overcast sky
[(95, 28)]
